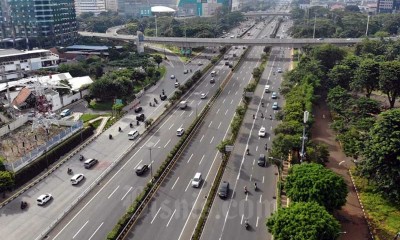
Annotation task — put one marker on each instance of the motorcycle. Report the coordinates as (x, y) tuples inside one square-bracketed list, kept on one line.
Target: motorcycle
[(110, 136), (248, 152), (266, 146), (245, 190), (130, 125), (137, 123), (24, 204), (270, 117), (155, 100), (255, 186), (119, 129), (246, 224), (81, 158), (254, 116), (262, 104), (69, 171)]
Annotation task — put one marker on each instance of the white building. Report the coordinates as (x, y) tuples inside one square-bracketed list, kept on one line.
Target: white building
[(93, 6), (14, 63)]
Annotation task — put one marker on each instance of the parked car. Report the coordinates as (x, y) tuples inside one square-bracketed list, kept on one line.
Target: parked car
[(141, 169), (43, 199), (65, 112)]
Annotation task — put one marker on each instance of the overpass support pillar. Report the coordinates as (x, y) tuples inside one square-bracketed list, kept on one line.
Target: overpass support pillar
[(139, 42)]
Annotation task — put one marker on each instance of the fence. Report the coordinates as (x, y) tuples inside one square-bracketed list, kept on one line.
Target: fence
[(29, 157)]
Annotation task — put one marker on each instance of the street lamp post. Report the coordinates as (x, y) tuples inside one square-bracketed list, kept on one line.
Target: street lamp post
[(151, 166), (155, 19), (366, 31), (305, 119), (315, 20)]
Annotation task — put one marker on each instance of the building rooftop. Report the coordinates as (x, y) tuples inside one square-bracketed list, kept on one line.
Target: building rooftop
[(87, 47), (15, 52)]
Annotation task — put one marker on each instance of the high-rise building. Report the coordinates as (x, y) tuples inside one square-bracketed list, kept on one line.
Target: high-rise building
[(38, 22), (385, 6), (93, 6), (200, 7)]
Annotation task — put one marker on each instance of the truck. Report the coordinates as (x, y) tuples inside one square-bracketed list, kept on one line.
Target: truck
[(183, 104)]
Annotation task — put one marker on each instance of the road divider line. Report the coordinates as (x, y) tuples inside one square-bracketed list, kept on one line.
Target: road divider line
[(156, 142), (256, 148), (251, 176), (212, 139), (155, 216), (171, 126), (171, 217), (241, 220), (190, 158), (236, 93), (126, 193), (229, 92), (263, 180), (167, 143), (260, 198), (217, 111), (226, 111), (188, 185), (201, 159), (138, 163), (182, 113), (257, 221), (209, 124), (96, 230), (175, 183), (113, 192), (201, 138), (191, 113), (219, 125), (223, 101), (80, 229), (232, 101)]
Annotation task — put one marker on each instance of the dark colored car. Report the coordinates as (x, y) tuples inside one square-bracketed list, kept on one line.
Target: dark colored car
[(163, 97), (138, 109), (223, 190), (140, 117), (141, 169), (261, 160)]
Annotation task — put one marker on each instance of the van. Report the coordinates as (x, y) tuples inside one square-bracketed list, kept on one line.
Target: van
[(196, 181), (77, 178), (89, 163), (65, 112), (213, 73), (267, 88), (132, 135)]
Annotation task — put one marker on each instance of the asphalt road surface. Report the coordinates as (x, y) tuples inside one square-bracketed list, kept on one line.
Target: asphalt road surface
[(227, 217)]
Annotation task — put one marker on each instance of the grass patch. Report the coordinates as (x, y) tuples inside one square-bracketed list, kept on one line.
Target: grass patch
[(383, 214), (103, 106), (96, 123), (87, 117), (163, 71)]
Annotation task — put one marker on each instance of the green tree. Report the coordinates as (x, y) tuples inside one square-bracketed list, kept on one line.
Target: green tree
[(339, 100), (328, 55), (78, 69), (303, 221), (158, 59), (314, 183), (389, 80), (256, 73), (381, 154), (117, 108), (339, 76), (366, 77), (317, 153), (7, 180)]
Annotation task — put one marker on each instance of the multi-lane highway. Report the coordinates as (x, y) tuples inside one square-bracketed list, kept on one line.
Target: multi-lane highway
[(175, 210), (227, 217)]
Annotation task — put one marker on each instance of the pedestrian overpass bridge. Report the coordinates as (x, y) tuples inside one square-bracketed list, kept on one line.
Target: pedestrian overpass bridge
[(265, 13), (199, 42)]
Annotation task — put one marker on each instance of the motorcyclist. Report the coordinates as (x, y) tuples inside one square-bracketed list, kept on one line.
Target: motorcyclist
[(69, 171), (119, 129), (110, 136), (255, 185), (262, 104), (81, 157), (262, 115), (254, 116), (248, 151), (245, 189), (130, 125), (266, 146), (270, 117)]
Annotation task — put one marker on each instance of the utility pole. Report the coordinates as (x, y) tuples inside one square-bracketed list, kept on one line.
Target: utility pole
[(305, 119), (315, 20), (366, 31), (155, 19)]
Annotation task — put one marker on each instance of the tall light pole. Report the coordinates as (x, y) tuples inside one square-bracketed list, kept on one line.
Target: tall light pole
[(305, 119), (366, 31), (155, 19), (315, 20)]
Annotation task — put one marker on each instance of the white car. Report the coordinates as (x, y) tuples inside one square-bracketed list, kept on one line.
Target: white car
[(279, 70), (180, 132), (203, 96), (274, 95), (77, 178), (261, 133), (196, 181), (275, 106), (43, 199), (177, 84), (172, 76)]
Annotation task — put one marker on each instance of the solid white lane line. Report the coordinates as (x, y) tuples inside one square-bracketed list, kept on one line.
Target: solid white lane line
[(167, 143), (138, 164), (96, 231), (201, 138), (190, 158), (155, 216), (219, 125), (209, 124), (171, 217), (80, 229), (201, 159), (212, 139), (126, 193), (171, 126), (175, 183), (113, 192), (226, 111), (217, 111)]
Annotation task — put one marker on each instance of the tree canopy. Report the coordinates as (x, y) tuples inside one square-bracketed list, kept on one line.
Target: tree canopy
[(314, 183), (303, 221), (381, 163)]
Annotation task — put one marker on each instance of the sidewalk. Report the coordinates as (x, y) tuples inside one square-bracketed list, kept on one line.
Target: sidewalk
[(351, 216)]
